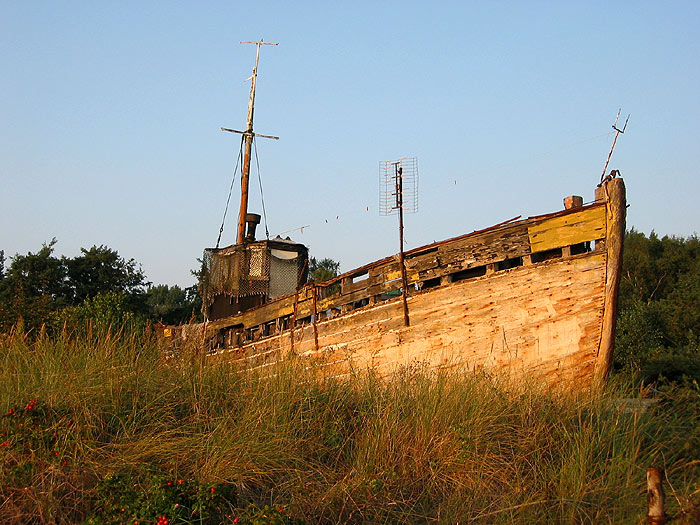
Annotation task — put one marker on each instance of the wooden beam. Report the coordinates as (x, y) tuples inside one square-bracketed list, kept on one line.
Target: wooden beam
[(573, 228)]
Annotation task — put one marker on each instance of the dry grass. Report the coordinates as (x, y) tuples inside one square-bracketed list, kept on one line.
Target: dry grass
[(424, 447)]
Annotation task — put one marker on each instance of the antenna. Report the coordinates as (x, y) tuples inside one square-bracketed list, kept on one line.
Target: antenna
[(398, 191), (617, 133), (248, 136)]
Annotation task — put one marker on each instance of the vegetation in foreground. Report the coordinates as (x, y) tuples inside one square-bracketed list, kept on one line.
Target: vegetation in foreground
[(100, 428)]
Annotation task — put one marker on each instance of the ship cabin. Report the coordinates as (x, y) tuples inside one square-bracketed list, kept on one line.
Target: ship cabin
[(247, 275)]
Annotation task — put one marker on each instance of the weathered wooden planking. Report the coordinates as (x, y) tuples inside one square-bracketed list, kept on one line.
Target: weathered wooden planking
[(543, 319), (479, 249), (574, 228), (614, 195)]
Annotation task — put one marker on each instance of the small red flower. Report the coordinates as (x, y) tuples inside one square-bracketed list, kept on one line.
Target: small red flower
[(4, 443), (64, 463), (55, 453), (213, 490), (179, 482), (280, 510), (11, 412), (170, 483), (236, 520), (55, 434)]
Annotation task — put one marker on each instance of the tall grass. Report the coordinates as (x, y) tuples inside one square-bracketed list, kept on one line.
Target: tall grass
[(423, 447)]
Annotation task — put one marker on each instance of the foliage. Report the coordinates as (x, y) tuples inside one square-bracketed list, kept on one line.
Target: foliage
[(323, 269), (152, 497), (172, 304), (101, 269), (98, 286), (106, 310), (35, 285), (291, 445), (659, 320)]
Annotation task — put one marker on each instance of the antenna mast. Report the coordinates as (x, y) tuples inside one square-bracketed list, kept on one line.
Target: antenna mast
[(248, 134), (617, 134), (398, 191)]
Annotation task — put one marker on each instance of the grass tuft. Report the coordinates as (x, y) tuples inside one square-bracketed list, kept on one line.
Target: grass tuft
[(98, 422)]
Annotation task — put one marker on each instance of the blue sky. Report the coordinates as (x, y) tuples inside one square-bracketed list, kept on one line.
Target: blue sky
[(110, 115)]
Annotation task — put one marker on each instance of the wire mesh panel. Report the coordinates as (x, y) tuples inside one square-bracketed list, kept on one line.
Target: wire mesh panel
[(248, 275), (398, 185), (236, 271)]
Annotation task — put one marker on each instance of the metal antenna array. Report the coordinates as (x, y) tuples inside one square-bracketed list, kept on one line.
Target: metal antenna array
[(398, 192), (617, 134)]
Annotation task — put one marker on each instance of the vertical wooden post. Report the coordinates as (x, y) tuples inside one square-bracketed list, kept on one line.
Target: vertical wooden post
[(313, 291), (294, 320), (615, 211), (655, 496)]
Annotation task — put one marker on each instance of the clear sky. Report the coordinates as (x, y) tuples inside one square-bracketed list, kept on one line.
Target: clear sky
[(110, 115)]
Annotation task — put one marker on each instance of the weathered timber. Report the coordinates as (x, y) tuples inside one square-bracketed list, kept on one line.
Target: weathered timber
[(587, 225), (655, 496), (517, 298), (520, 320), (616, 209)]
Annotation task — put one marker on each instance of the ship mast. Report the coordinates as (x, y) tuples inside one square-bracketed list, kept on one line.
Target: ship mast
[(248, 135)]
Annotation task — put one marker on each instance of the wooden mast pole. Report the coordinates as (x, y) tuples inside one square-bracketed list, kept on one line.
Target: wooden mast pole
[(245, 172)]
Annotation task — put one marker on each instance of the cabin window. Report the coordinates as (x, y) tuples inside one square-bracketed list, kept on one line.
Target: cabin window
[(360, 303), (430, 283), (328, 291), (359, 277), (546, 255), (582, 247), (469, 273), (509, 263), (391, 294)]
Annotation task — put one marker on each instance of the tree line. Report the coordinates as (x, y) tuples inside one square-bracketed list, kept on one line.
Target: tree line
[(658, 328), (40, 289), (658, 325)]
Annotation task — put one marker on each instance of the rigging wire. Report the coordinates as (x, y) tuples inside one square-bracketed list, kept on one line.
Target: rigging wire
[(223, 220), (262, 197)]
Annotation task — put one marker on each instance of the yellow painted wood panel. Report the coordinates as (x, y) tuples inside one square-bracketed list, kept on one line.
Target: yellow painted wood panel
[(573, 228)]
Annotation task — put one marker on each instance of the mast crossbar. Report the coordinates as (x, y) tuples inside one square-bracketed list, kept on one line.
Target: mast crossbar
[(250, 133)]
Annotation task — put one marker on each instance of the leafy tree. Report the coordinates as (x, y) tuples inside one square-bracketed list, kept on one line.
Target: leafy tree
[(324, 269), (37, 286), (659, 319), (111, 310), (172, 304), (100, 270), (33, 288)]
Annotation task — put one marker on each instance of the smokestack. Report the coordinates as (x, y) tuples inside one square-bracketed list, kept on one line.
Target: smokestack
[(251, 220)]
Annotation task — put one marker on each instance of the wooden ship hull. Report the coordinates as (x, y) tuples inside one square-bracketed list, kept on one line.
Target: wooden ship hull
[(535, 296)]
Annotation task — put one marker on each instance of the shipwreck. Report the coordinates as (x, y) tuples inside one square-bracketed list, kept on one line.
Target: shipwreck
[(534, 296)]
